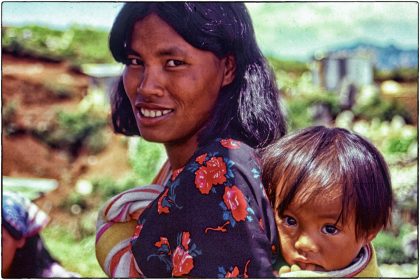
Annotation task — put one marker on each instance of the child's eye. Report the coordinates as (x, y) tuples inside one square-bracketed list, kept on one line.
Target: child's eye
[(290, 221), (330, 229), (174, 63)]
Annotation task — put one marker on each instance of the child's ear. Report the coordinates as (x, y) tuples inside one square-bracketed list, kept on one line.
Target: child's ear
[(372, 235), (230, 70)]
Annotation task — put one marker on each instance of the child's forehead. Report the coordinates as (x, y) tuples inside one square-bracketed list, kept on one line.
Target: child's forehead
[(317, 199), (321, 199), (318, 207), (319, 191)]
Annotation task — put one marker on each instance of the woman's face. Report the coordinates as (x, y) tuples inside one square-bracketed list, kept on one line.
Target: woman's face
[(172, 86), (9, 247)]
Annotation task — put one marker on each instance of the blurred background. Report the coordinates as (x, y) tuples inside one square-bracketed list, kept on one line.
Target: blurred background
[(347, 64)]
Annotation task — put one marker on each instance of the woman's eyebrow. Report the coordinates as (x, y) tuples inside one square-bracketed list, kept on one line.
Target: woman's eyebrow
[(171, 51), (175, 50), (129, 51)]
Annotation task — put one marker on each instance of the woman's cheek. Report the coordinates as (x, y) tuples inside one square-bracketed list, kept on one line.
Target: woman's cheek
[(129, 82)]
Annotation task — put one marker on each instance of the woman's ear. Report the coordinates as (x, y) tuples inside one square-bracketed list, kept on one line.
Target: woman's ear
[(230, 69)]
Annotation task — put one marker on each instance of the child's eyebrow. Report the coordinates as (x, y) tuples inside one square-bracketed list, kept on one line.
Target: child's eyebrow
[(332, 216)]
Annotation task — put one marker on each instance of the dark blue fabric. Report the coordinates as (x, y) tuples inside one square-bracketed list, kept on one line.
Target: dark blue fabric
[(14, 214), (212, 220)]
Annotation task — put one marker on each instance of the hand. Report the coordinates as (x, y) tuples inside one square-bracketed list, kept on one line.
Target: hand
[(286, 269), (295, 271)]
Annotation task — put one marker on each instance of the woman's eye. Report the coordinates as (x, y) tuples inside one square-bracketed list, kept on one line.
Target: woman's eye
[(330, 229), (134, 61), (289, 221), (174, 63)]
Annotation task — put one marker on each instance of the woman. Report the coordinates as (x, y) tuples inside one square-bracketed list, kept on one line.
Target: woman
[(196, 81), (23, 252)]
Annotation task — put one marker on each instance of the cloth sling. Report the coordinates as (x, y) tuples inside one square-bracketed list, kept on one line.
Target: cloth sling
[(116, 224)]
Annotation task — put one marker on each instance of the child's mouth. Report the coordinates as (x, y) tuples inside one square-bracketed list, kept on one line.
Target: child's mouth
[(310, 266)]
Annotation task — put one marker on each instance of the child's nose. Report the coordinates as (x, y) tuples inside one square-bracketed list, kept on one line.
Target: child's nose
[(306, 243)]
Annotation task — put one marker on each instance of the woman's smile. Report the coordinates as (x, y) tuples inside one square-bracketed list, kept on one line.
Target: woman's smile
[(152, 117), (153, 113), (149, 114)]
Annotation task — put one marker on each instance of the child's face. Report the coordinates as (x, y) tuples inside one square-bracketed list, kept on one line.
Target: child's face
[(310, 237)]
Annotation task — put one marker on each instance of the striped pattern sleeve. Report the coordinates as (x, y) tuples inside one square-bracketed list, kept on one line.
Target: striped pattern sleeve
[(115, 227)]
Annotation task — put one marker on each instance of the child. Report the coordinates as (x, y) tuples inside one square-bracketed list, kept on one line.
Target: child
[(24, 254), (331, 193)]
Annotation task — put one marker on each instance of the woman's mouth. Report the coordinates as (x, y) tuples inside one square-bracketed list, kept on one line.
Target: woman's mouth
[(153, 113)]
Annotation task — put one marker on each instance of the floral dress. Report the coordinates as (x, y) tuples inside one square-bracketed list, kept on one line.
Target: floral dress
[(212, 220)]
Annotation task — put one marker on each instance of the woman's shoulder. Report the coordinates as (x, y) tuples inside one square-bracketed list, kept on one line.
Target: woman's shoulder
[(229, 147), (224, 161)]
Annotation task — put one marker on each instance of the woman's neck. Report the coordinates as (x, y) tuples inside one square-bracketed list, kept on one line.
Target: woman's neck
[(180, 152)]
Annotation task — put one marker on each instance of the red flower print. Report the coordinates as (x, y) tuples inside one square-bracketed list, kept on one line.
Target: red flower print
[(176, 173), (230, 143), (182, 262), (216, 168), (163, 209), (201, 159), (211, 174), (233, 274), (161, 242), (185, 240), (236, 203), (201, 181)]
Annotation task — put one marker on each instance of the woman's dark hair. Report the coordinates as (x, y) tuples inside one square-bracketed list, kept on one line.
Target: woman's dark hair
[(316, 159), (249, 107), (31, 260)]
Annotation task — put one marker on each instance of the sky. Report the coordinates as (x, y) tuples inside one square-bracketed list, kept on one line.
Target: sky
[(292, 30)]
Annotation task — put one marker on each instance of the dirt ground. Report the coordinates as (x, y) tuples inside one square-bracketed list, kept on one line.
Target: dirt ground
[(30, 87)]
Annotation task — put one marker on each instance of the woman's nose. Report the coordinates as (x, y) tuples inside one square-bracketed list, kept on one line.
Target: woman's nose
[(150, 83), (306, 243)]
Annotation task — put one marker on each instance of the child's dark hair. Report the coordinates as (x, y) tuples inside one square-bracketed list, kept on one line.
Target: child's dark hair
[(329, 157), (248, 108)]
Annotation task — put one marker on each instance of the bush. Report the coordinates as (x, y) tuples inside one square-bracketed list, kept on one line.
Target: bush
[(390, 248), (107, 187), (83, 128), (301, 108), (77, 44), (74, 254), (74, 199), (145, 158), (382, 109), (72, 130), (295, 67), (399, 75), (9, 116)]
